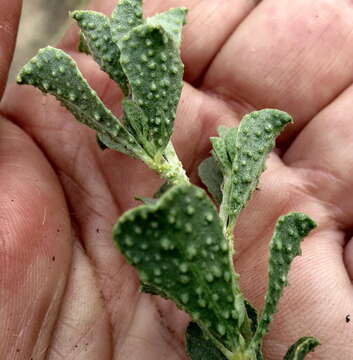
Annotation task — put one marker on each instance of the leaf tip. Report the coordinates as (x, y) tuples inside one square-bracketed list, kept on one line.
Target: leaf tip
[(76, 14)]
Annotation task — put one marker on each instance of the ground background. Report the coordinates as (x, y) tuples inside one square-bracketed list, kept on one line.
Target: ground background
[(42, 23)]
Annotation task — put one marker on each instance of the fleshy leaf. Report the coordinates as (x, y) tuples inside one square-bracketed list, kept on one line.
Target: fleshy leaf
[(224, 148), (164, 188), (134, 118), (219, 153), (198, 347), (252, 315), (284, 247), (82, 45), (54, 72), (150, 289), (214, 170), (96, 29), (172, 22), (301, 348), (135, 121), (255, 139), (152, 64), (230, 137), (259, 355), (212, 177), (126, 15), (101, 145), (178, 247), (146, 200)]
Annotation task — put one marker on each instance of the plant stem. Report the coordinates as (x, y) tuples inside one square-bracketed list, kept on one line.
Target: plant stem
[(168, 166), (228, 219), (244, 356)]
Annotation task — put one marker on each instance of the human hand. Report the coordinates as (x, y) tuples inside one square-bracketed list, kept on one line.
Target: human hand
[(66, 293)]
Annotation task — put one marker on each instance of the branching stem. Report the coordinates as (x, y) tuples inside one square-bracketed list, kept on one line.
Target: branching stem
[(168, 166)]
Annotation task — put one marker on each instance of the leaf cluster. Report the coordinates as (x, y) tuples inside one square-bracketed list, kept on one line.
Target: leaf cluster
[(142, 56), (179, 242)]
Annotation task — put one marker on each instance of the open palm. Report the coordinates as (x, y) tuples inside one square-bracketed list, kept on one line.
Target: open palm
[(66, 293)]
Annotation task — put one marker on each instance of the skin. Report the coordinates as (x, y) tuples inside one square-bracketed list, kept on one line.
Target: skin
[(66, 293)]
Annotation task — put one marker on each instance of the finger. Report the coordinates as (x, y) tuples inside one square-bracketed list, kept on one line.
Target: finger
[(34, 245), (161, 340), (209, 24), (82, 329), (322, 155), (291, 55), (9, 17)]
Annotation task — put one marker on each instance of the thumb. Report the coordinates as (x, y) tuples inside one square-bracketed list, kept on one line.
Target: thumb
[(9, 18)]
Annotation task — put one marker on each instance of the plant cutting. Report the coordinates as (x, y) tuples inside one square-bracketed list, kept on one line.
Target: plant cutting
[(180, 241)]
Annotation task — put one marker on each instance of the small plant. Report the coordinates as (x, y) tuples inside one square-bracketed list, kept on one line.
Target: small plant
[(180, 244)]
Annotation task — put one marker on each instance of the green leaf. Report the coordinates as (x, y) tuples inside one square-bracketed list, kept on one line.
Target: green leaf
[(54, 72), (255, 139), (198, 347), (171, 21), (82, 45), (211, 175), (259, 355), (164, 188), (230, 138), (152, 290), (96, 29), (151, 61), (284, 247), (252, 315), (101, 145), (178, 247), (126, 16), (220, 154), (134, 118), (224, 148), (146, 200), (301, 348), (136, 122)]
